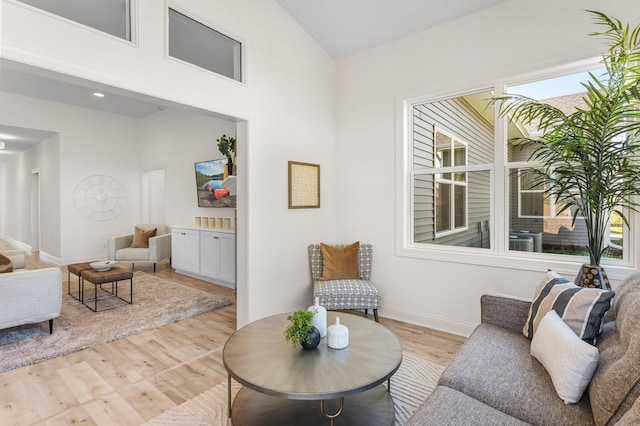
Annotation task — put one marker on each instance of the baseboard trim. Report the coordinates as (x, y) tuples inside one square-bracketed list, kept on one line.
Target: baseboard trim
[(44, 256), (207, 279), (449, 325), (17, 244)]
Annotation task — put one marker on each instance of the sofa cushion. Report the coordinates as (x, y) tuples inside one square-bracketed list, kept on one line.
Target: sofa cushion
[(133, 254), (495, 367), (5, 264), (340, 262), (569, 360), (580, 307), (448, 407), (141, 237), (615, 386)]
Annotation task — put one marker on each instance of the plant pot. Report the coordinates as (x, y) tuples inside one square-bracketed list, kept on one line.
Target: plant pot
[(592, 277), (230, 166), (314, 339)]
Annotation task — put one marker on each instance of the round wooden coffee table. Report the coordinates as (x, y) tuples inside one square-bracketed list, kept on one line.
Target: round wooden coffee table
[(283, 384)]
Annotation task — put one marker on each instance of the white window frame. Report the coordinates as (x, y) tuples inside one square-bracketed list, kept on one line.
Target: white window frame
[(240, 75), (498, 255), (553, 209), (131, 29), (438, 172)]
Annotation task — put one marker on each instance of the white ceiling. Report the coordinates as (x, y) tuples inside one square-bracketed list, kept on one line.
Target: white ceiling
[(341, 27), (346, 27)]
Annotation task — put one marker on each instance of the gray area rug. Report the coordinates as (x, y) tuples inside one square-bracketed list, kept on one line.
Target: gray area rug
[(156, 302), (410, 386)]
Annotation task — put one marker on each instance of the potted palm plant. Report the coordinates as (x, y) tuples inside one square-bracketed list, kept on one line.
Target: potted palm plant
[(588, 160)]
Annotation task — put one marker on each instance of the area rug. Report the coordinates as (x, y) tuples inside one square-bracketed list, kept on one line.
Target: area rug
[(156, 302), (410, 386)]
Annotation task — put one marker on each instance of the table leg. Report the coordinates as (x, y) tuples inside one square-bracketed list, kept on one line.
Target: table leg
[(331, 416), (229, 394)]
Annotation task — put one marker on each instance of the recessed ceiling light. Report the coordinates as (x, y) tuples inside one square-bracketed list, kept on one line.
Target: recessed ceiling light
[(1, 144), (98, 94)]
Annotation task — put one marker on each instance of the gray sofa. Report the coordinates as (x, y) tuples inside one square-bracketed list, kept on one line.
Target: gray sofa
[(494, 380)]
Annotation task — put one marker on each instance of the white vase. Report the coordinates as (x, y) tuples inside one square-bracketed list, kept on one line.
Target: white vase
[(338, 335), (319, 319)]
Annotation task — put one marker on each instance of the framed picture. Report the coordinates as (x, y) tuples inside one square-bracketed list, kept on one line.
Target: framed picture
[(304, 185), (214, 186)]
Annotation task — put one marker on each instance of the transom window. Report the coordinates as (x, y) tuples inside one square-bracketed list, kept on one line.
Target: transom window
[(110, 16), (199, 44)]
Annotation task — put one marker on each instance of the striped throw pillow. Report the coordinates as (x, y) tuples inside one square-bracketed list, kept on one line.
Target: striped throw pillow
[(580, 308)]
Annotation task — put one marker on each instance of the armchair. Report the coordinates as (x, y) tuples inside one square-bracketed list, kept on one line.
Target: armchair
[(119, 248), (336, 294)]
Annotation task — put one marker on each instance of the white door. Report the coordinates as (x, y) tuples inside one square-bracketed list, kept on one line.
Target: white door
[(153, 199), (35, 210)]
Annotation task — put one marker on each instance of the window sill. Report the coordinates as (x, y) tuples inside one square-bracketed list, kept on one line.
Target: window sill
[(616, 270)]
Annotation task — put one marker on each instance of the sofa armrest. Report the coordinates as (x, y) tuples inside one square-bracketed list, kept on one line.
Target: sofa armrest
[(30, 296), (504, 311), (17, 257), (160, 247), (117, 243)]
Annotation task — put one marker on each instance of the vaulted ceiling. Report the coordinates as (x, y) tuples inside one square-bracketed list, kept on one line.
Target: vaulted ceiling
[(341, 27)]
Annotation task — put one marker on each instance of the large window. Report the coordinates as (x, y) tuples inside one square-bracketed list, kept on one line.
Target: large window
[(471, 184), (452, 154), (109, 16), (203, 46)]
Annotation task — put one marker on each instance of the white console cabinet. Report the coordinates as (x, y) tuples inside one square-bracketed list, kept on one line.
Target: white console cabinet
[(205, 253), (185, 250)]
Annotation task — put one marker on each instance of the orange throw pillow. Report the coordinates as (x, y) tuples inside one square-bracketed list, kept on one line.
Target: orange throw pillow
[(5, 264), (141, 237), (340, 263)]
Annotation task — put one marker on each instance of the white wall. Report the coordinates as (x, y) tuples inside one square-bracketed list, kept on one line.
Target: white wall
[(287, 104), (16, 176), (175, 140), (88, 143), (512, 38)]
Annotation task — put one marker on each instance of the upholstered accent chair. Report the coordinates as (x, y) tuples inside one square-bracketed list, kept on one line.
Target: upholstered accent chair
[(345, 294), (159, 247)]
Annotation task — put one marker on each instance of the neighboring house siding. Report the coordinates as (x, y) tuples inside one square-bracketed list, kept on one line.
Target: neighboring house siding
[(457, 118), (555, 231)]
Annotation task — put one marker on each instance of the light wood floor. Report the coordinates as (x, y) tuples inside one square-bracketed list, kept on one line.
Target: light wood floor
[(132, 380)]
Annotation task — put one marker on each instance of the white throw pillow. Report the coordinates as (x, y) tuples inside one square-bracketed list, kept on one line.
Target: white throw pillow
[(569, 360)]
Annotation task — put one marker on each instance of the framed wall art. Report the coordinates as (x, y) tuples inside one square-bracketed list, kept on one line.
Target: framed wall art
[(304, 185)]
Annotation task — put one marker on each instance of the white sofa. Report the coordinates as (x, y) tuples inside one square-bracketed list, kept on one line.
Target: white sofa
[(30, 296), (118, 248)]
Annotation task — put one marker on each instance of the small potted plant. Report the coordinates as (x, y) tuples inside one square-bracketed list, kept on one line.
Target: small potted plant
[(301, 331), (227, 147)]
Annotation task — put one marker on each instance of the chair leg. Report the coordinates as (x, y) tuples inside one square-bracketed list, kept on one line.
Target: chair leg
[(50, 326), (154, 266), (375, 315), (366, 311)]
